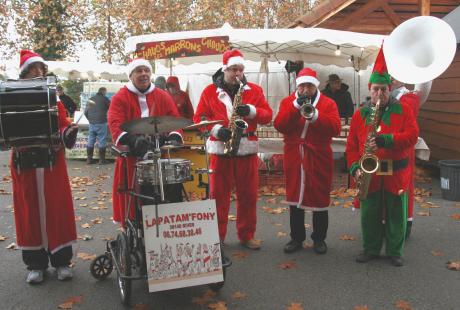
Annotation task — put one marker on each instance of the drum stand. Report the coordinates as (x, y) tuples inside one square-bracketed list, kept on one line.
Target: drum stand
[(207, 171)]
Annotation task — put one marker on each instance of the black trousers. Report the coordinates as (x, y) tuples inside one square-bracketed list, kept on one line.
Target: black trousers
[(38, 259), (297, 222)]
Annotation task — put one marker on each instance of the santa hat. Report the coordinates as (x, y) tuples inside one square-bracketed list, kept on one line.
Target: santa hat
[(379, 73), (307, 75), (137, 62), (27, 58), (232, 57)]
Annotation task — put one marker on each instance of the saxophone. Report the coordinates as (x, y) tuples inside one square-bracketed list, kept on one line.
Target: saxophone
[(368, 163), (236, 126)]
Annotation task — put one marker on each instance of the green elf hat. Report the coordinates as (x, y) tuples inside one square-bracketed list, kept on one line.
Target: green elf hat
[(380, 72)]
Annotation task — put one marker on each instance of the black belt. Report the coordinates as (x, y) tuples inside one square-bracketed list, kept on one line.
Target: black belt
[(249, 134), (34, 158), (387, 166)]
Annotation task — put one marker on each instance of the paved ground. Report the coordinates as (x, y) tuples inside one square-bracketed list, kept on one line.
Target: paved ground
[(332, 281)]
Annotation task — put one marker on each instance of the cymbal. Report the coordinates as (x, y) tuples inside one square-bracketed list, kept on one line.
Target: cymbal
[(202, 124), (170, 147), (155, 124)]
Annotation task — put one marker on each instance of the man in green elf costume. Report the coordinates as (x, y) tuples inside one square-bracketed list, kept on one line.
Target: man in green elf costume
[(384, 211)]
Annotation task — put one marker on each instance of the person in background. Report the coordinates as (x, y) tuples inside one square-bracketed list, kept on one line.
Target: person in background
[(338, 91), (238, 170), (160, 82), (68, 103), (181, 98), (384, 209), (413, 99), (308, 161), (42, 199), (96, 113)]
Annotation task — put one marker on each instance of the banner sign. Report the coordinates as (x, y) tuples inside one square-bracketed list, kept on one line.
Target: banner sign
[(182, 48), (187, 250)]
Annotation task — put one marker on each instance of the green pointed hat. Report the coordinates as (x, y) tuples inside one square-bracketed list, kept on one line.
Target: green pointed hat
[(380, 72)]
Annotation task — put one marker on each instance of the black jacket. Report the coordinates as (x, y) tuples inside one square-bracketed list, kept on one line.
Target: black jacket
[(96, 112), (342, 98)]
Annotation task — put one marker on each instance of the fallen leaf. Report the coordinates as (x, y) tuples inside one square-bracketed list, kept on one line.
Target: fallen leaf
[(231, 217), (281, 234), (437, 253), (288, 265), (140, 307), (240, 254), (455, 216), (423, 213), (83, 205), (307, 226), (3, 238), (361, 307), (278, 224), (77, 218), (402, 304), (307, 245), (86, 225), (347, 238), (66, 305), (295, 306), (107, 238), (86, 256), (239, 295), (220, 305), (11, 246), (85, 237), (97, 220), (271, 200), (451, 265)]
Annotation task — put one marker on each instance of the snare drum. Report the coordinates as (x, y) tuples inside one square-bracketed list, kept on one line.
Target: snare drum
[(29, 113), (174, 170)]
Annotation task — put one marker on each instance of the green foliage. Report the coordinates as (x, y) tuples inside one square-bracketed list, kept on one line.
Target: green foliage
[(73, 88)]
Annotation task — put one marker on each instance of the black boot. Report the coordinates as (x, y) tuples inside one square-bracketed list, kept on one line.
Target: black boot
[(320, 225), (408, 229), (89, 155), (102, 160)]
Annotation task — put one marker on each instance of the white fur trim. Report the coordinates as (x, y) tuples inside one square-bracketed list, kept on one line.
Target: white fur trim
[(142, 97), (137, 63), (410, 219), (119, 137), (307, 79), (30, 61), (226, 100), (40, 178), (215, 129), (252, 111), (247, 147), (63, 246), (315, 116), (236, 60), (292, 203)]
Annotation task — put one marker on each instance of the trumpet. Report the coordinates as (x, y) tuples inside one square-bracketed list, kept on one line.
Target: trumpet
[(307, 110)]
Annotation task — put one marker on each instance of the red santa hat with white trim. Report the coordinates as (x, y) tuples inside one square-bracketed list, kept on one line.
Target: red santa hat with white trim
[(137, 62), (231, 58), (307, 75), (27, 58)]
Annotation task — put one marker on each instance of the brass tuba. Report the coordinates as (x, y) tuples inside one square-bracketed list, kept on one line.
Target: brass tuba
[(236, 126), (368, 163), (420, 49)]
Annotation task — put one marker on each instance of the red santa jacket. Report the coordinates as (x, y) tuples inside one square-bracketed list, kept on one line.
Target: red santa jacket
[(400, 130), (42, 201), (308, 161), (216, 104), (129, 104), (181, 98)]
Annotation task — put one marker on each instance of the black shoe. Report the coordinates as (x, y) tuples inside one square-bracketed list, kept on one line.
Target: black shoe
[(408, 229), (364, 258), (292, 246), (320, 247), (396, 261)]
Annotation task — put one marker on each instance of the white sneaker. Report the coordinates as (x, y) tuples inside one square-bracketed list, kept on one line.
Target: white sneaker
[(35, 276), (64, 273)]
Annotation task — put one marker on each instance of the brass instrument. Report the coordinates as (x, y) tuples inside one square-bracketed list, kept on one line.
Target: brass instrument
[(307, 110), (368, 163), (236, 125)]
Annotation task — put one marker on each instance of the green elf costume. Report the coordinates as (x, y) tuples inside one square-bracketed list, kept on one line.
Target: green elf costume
[(384, 211)]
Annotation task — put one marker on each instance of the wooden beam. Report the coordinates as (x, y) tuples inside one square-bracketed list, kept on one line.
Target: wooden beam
[(424, 7), (369, 7), (332, 12), (394, 18)]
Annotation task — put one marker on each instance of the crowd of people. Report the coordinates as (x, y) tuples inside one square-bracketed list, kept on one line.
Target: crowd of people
[(308, 118)]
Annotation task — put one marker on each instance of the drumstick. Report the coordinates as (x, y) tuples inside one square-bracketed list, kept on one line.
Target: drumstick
[(79, 118)]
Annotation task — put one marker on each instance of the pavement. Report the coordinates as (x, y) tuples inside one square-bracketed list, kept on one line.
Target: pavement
[(255, 280)]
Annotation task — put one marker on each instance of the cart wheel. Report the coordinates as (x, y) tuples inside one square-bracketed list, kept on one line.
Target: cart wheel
[(101, 267), (217, 286), (124, 261)]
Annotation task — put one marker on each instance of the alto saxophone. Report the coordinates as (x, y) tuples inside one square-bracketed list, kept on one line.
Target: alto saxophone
[(236, 126), (368, 163)]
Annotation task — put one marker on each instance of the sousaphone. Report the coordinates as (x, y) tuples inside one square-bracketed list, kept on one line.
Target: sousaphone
[(420, 49)]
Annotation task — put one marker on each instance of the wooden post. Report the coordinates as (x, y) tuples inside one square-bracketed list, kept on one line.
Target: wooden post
[(424, 7)]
